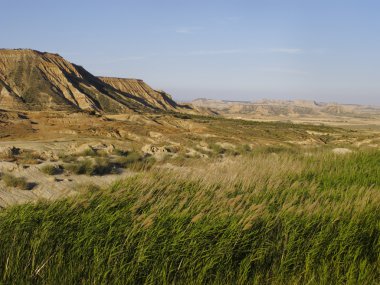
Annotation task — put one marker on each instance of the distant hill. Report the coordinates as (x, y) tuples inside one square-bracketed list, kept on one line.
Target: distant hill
[(137, 87), (282, 108), (40, 81)]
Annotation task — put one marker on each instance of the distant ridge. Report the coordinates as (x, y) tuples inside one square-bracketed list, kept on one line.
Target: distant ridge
[(39, 81), (301, 108)]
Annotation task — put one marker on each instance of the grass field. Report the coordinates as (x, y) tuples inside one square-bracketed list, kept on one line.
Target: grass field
[(262, 218)]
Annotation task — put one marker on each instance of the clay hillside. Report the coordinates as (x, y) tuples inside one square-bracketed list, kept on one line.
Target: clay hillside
[(138, 88), (40, 81)]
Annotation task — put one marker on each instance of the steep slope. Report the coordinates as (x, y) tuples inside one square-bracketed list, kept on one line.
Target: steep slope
[(138, 87), (32, 80), (38, 81)]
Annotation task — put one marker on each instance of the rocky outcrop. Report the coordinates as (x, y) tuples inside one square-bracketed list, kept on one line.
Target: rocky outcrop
[(39, 81), (32, 80)]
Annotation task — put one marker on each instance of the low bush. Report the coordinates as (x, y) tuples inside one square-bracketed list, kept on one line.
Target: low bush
[(217, 149), (29, 157), (16, 182), (51, 169), (143, 165), (99, 166), (127, 159), (89, 152), (68, 158), (244, 149)]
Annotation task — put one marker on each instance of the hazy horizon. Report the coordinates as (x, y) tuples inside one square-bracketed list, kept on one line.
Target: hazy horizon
[(325, 51)]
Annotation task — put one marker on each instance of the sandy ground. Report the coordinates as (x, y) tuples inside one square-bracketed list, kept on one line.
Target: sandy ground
[(47, 186), (44, 186), (52, 135)]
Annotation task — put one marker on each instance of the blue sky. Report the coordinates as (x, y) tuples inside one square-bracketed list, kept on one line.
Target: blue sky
[(324, 50)]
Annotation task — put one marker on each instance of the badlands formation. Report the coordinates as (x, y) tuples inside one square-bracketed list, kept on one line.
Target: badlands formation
[(38, 81), (62, 127)]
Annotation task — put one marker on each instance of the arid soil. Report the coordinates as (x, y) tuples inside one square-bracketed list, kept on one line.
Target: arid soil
[(31, 140), (63, 129)]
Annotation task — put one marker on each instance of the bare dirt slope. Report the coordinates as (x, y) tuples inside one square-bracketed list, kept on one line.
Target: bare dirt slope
[(31, 140), (40, 81), (137, 87)]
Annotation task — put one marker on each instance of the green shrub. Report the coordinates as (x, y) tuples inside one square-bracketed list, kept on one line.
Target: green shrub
[(143, 164), (16, 182), (275, 149), (87, 188), (103, 166), (80, 167), (217, 149), (120, 152), (51, 169), (68, 158), (243, 149), (99, 166), (128, 159), (88, 152)]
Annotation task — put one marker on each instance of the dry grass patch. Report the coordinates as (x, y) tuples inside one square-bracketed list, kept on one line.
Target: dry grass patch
[(15, 182)]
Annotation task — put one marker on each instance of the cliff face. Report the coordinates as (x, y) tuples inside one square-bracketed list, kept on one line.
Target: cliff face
[(137, 87), (33, 80)]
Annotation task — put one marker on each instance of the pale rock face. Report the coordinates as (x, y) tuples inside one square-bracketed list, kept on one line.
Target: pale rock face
[(156, 151), (151, 149), (56, 75), (49, 155), (83, 148), (106, 148), (155, 135), (39, 81)]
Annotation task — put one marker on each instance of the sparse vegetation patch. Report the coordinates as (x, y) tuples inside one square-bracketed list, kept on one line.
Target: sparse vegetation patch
[(13, 181)]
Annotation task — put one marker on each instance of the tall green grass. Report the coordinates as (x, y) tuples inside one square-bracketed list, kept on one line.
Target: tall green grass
[(266, 219)]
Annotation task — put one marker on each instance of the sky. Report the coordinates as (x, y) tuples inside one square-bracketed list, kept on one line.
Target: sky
[(323, 50)]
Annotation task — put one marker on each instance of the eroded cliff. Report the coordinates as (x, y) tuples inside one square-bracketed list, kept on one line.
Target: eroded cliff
[(40, 81)]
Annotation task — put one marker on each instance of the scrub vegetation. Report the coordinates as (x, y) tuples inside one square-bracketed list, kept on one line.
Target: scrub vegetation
[(266, 217)]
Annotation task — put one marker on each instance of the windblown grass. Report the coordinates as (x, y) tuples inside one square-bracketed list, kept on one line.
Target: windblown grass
[(279, 218)]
